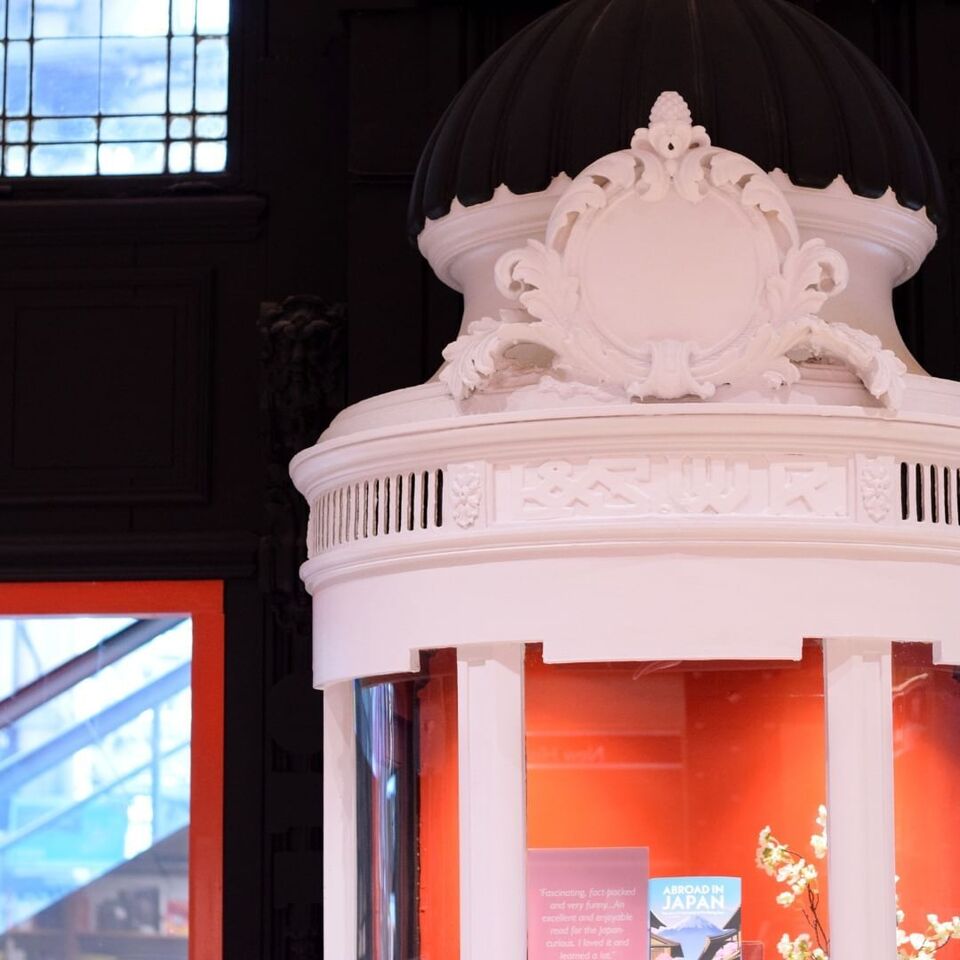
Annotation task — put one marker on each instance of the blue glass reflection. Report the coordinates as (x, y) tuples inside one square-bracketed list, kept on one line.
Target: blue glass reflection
[(65, 77), (133, 76), (212, 76), (17, 131), (102, 72), (64, 131), (144, 18), (213, 17), (66, 18), (98, 774), (18, 79), (211, 157), (211, 128), (182, 54), (180, 128), (180, 157), (119, 158), (133, 128), (18, 19), (183, 16), (63, 160), (15, 161)]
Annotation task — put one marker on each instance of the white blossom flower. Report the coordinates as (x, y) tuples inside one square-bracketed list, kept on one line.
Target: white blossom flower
[(801, 877)]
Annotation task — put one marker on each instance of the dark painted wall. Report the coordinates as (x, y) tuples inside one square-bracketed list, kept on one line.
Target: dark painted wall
[(156, 375)]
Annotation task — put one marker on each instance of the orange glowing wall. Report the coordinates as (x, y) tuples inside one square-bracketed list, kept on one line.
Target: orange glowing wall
[(689, 760), (926, 732), (439, 894)]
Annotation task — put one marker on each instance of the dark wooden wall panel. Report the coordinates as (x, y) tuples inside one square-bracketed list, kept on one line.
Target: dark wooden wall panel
[(385, 292), (108, 375)]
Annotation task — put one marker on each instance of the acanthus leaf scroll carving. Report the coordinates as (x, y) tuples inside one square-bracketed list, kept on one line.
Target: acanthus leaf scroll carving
[(668, 270)]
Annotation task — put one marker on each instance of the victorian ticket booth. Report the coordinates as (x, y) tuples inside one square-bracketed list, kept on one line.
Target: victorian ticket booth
[(638, 626)]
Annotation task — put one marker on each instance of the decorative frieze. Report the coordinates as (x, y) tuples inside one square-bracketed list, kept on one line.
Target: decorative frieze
[(466, 494), (679, 486), (876, 487)]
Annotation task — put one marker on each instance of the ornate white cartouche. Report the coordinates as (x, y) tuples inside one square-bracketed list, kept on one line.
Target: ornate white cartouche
[(666, 271)]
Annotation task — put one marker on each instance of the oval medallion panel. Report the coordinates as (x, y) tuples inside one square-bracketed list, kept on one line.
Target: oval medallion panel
[(673, 270)]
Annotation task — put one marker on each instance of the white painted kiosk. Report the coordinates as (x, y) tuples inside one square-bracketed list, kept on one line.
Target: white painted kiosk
[(668, 552)]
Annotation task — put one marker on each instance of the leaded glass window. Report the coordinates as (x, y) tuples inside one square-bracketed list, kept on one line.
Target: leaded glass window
[(113, 86)]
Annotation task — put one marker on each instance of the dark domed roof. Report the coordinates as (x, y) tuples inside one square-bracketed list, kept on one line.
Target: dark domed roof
[(764, 77)]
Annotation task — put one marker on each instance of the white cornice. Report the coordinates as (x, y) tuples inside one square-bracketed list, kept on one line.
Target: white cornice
[(883, 220), (836, 208)]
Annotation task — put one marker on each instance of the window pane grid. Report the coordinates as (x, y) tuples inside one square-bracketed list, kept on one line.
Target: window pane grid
[(107, 87)]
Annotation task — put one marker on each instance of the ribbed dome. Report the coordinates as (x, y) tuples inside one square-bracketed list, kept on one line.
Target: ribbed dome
[(765, 78)]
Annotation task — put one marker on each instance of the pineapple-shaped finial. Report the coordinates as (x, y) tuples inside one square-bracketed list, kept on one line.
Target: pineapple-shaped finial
[(671, 132), (670, 108)]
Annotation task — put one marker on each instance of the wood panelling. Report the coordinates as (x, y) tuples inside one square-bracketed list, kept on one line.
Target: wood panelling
[(106, 386), (175, 218)]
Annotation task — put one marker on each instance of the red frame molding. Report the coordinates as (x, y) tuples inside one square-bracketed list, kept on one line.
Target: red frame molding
[(202, 600)]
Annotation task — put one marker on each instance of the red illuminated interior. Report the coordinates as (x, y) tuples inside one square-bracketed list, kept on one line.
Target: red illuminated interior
[(439, 895), (690, 760), (926, 741)]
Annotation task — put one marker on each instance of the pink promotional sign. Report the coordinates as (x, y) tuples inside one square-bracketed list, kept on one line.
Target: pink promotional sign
[(588, 904)]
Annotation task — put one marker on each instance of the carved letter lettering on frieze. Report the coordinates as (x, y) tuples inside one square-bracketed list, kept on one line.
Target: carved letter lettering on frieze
[(816, 489), (599, 487), (699, 485)]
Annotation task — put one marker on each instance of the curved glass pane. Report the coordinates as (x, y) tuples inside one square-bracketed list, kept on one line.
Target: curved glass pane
[(407, 832), (926, 746)]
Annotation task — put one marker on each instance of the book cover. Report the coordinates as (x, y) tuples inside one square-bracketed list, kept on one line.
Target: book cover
[(697, 918), (587, 904)]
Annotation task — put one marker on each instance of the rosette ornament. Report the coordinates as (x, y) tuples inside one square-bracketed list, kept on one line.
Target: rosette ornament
[(667, 270)]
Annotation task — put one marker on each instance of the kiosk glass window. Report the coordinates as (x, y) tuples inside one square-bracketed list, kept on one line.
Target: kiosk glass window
[(926, 749), (407, 814), (648, 786)]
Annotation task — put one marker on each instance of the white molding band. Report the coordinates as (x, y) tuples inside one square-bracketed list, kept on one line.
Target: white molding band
[(493, 847), (861, 853), (339, 821)]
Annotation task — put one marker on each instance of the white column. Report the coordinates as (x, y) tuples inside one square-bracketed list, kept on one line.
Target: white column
[(339, 823), (860, 799), (493, 916)]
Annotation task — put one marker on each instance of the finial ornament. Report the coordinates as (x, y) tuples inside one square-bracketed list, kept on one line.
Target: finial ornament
[(671, 132), (670, 107), (667, 270)]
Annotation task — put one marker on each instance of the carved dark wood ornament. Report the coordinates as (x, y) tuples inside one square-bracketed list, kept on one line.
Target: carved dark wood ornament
[(303, 359)]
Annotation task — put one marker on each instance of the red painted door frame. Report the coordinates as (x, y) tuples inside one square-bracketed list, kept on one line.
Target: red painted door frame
[(202, 600)]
